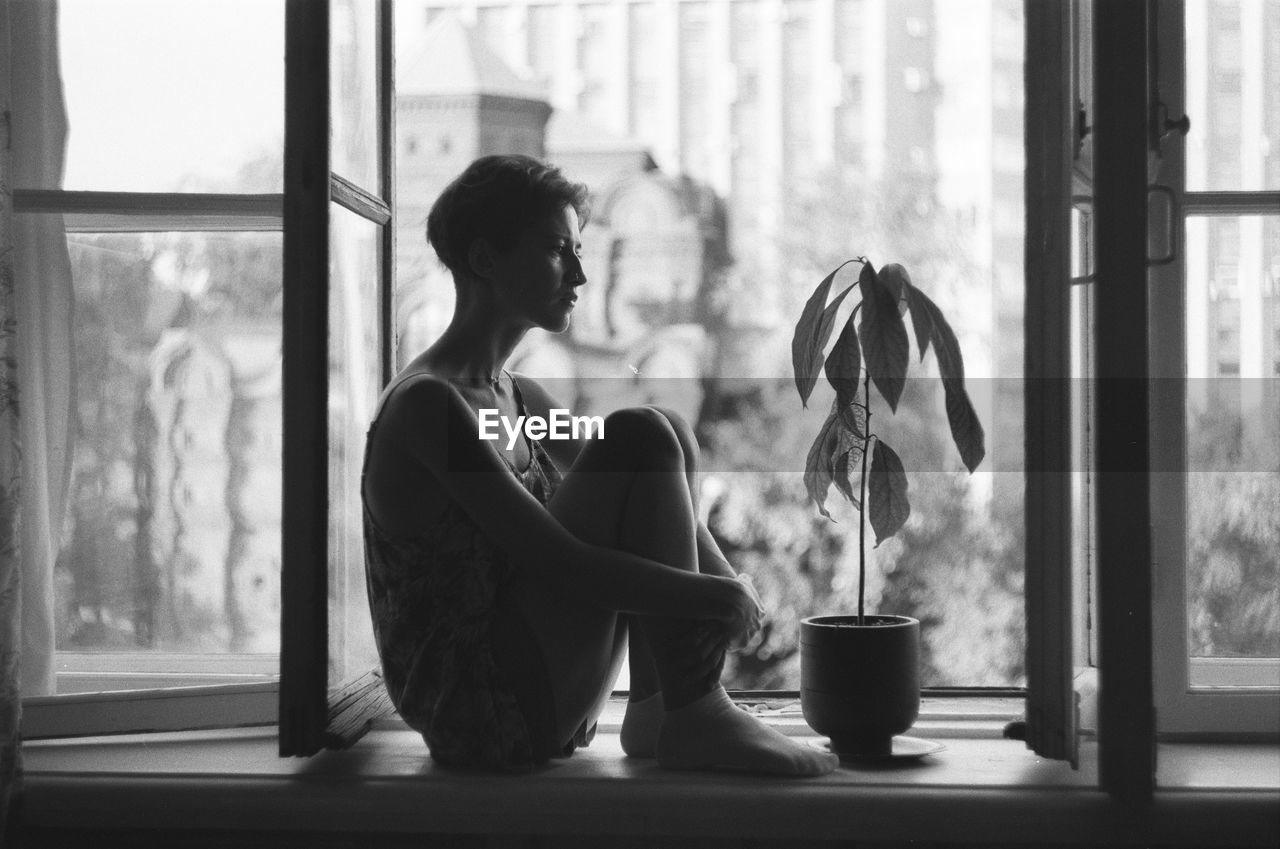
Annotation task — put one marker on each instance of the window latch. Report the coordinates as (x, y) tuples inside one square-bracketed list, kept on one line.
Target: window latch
[(1173, 218)]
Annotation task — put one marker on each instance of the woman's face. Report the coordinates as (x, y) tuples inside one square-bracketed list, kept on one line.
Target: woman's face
[(537, 279)]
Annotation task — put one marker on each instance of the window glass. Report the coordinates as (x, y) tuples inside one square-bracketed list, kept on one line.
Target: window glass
[(354, 383), (642, 94), (171, 540), (1233, 438), (1233, 95), (165, 96), (597, 97), (718, 206), (696, 69), (353, 92)]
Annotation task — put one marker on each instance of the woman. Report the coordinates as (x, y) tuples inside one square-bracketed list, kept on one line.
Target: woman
[(508, 577)]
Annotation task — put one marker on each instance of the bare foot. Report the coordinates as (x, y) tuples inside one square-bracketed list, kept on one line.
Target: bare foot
[(641, 725), (713, 733)]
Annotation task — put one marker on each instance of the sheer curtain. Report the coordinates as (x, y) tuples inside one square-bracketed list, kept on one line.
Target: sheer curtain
[(10, 566), (42, 271), (35, 365)]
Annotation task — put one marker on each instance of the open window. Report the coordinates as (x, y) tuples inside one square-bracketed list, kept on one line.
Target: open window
[(338, 271), (229, 265), (149, 229), (1216, 348)]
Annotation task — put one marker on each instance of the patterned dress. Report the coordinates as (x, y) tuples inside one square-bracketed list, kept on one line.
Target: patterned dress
[(434, 600)]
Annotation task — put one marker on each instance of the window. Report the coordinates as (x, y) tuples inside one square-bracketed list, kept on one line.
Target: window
[(697, 265), (191, 539), (168, 220), (339, 230), (1218, 573)]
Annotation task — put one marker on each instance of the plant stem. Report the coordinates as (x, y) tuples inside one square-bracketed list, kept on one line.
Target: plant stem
[(862, 492)]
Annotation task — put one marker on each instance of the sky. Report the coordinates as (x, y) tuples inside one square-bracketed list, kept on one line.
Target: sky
[(159, 91)]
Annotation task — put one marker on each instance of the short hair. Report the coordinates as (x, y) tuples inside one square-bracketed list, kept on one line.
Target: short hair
[(495, 198)]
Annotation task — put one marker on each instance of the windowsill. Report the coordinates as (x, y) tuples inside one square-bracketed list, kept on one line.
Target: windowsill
[(980, 789)]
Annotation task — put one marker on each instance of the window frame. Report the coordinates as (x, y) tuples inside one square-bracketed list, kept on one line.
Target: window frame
[(311, 716), (1052, 31), (1185, 712), (100, 704)]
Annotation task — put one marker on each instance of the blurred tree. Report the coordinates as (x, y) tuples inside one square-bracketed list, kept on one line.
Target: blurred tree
[(1233, 505)]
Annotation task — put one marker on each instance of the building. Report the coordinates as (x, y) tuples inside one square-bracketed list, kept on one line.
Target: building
[(754, 98), (656, 246)]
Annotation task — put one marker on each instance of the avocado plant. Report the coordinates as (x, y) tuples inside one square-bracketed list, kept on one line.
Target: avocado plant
[(872, 349)]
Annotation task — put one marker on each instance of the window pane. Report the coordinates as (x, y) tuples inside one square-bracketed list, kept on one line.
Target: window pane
[(1233, 434), (1233, 95), (172, 535), (353, 92), (165, 96), (801, 134), (353, 388)]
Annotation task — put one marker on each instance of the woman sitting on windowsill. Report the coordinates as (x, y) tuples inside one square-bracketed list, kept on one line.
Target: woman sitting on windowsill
[(504, 590)]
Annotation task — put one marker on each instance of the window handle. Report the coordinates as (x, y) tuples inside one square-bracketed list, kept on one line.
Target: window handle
[(1172, 220), (1181, 126)]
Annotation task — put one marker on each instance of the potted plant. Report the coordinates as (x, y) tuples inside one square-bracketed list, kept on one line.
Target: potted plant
[(860, 673)]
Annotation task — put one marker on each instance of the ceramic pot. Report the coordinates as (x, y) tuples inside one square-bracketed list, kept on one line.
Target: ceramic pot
[(860, 684)]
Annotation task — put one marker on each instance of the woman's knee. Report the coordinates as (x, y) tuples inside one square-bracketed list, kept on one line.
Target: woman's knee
[(646, 433), (684, 435)]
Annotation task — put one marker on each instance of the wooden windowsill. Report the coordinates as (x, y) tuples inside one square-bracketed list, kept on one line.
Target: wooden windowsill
[(979, 790)]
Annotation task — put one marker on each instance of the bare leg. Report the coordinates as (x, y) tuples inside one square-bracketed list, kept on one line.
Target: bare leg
[(642, 723), (629, 491)]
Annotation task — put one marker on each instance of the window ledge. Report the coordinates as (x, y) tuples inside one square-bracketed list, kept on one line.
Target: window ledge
[(977, 791)]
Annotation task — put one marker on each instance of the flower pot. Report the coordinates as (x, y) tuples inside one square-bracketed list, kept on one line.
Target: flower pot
[(860, 684)]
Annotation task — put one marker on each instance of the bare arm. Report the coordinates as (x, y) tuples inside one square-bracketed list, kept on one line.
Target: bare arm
[(430, 424), (711, 560)]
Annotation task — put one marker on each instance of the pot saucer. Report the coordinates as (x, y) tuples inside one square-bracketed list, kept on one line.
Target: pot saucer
[(904, 749)]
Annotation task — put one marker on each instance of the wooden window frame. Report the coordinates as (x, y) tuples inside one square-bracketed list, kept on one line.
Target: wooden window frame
[(1082, 42), (120, 691), (185, 691), (1186, 712), (310, 716)]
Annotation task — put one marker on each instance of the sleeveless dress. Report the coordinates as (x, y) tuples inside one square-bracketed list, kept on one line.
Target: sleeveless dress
[(438, 601)]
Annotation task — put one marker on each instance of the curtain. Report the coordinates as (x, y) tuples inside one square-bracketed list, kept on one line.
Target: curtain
[(10, 566), (42, 269), (35, 366)]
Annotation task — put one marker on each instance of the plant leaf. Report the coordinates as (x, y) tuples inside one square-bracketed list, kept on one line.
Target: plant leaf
[(895, 277), (887, 492), (945, 345), (817, 465), (884, 337), (830, 460), (844, 365), (810, 338), (846, 466), (966, 429), (921, 318), (854, 419)]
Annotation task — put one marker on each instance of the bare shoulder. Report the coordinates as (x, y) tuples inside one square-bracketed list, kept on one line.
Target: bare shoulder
[(419, 411), (416, 395)]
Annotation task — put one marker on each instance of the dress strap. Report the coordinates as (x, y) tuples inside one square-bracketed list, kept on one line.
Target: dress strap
[(520, 410), (515, 388)]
